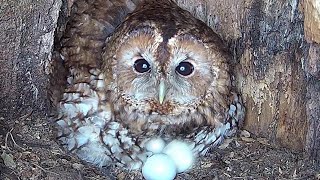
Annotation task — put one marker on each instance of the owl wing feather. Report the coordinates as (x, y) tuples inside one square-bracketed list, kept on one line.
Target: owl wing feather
[(91, 22), (83, 110)]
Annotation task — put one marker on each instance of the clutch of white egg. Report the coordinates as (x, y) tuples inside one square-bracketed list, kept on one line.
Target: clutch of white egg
[(166, 160)]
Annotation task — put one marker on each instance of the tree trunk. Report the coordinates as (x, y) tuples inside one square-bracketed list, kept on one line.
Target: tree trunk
[(312, 33), (276, 71), (26, 42)]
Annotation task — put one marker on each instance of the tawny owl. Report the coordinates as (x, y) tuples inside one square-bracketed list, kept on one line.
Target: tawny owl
[(154, 71)]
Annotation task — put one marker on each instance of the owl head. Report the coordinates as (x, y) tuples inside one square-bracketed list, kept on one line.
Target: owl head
[(165, 64)]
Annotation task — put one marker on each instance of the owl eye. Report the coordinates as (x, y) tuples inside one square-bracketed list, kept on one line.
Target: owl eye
[(141, 65), (185, 68)]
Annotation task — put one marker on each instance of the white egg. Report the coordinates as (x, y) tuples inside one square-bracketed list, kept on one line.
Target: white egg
[(155, 145), (159, 167), (181, 153)]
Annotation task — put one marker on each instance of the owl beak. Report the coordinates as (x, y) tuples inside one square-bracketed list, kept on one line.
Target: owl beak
[(162, 91)]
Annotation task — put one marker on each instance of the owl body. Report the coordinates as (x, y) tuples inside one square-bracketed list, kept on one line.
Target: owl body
[(161, 73)]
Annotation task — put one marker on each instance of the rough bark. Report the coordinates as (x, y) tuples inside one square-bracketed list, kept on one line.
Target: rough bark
[(270, 74), (312, 33), (26, 40)]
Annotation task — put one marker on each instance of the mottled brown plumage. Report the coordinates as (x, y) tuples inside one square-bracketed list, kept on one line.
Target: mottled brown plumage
[(110, 109)]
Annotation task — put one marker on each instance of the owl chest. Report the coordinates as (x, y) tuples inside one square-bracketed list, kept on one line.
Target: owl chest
[(153, 124), (139, 123)]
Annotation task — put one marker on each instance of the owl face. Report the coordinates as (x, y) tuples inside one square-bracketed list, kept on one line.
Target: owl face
[(165, 63), (164, 76), (161, 77)]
